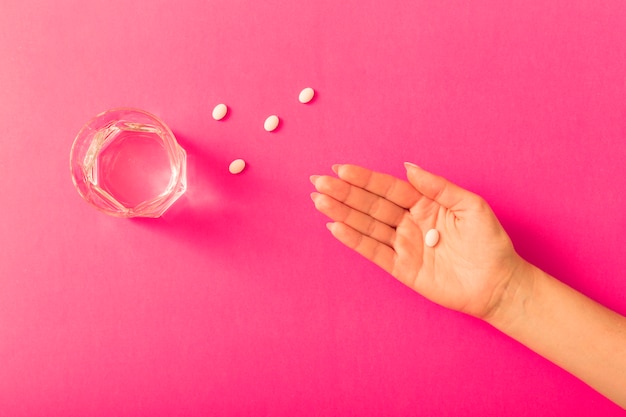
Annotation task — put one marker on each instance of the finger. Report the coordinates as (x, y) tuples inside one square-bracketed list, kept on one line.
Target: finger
[(359, 199), (357, 220), (437, 188), (380, 254), (389, 187)]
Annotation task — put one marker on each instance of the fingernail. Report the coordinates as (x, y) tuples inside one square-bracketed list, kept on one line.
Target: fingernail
[(335, 168), (408, 165), (314, 196), (313, 178), (330, 226)]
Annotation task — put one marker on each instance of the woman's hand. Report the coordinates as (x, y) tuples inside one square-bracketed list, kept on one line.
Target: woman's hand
[(473, 268), (385, 219)]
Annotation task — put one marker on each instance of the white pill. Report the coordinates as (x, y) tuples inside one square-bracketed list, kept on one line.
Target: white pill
[(431, 238), (220, 111), (271, 123), (306, 95), (237, 166)]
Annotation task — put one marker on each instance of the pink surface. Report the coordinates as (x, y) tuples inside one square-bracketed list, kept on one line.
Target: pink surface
[(238, 301)]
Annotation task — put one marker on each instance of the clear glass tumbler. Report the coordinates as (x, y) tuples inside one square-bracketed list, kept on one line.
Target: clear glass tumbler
[(126, 162)]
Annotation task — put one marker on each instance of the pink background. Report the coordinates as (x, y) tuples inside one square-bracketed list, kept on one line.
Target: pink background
[(238, 301)]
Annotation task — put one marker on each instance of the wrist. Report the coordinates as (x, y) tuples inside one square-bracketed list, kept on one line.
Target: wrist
[(515, 298)]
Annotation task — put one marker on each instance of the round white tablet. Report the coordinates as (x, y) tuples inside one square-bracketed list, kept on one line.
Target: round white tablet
[(271, 123), (306, 95), (220, 111), (431, 238), (237, 166)]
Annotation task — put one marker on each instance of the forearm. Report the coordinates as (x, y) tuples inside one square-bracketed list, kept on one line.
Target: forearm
[(567, 328)]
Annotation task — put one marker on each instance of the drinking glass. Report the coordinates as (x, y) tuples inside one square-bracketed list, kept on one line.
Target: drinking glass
[(126, 162)]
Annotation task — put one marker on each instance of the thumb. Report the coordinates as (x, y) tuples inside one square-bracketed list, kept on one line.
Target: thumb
[(437, 188)]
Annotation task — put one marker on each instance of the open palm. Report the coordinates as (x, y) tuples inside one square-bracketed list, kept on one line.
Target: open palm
[(384, 219)]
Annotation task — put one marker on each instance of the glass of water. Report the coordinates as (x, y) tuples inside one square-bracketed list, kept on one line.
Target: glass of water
[(126, 162)]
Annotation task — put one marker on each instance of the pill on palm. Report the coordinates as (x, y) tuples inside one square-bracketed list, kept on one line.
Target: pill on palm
[(220, 111), (271, 123), (306, 95), (237, 166), (431, 238)]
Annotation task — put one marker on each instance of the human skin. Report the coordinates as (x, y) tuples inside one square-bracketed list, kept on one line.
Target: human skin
[(474, 267)]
